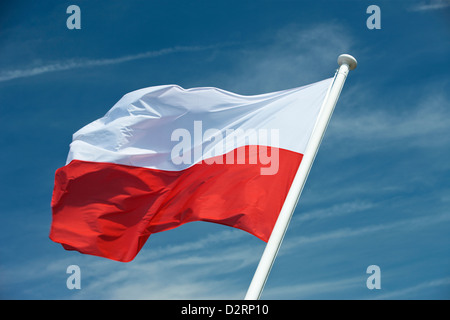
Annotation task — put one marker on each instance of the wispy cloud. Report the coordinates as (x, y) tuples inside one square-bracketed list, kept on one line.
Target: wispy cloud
[(292, 56), (425, 124), (340, 284), (192, 274), (201, 269), (431, 5), (344, 233), (197, 269), (71, 64), (413, 290), (311, 289), (202, 243), (336, 210), (320, 288)]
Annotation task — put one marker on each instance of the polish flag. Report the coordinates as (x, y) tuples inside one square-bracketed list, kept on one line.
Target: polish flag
[(164, 156)]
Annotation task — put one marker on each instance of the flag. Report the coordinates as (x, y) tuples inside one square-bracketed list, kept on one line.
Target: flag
[(163, 156)]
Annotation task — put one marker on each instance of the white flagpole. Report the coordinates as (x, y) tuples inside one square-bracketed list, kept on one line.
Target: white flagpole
[(346, 62)]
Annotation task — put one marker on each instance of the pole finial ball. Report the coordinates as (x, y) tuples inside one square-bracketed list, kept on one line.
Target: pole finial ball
[(347, 59)]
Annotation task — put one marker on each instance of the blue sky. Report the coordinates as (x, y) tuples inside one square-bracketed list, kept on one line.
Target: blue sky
[(378, 192)]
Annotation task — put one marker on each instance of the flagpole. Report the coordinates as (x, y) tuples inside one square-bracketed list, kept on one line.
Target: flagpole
[(346, 63)]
